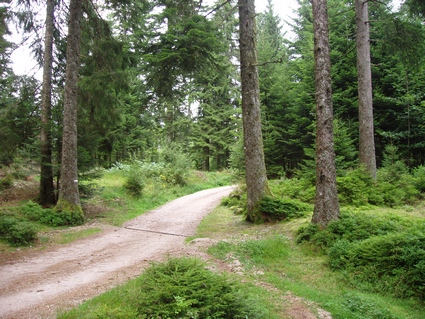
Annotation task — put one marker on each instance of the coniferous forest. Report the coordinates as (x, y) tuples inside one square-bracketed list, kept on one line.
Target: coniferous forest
[(327, 116)]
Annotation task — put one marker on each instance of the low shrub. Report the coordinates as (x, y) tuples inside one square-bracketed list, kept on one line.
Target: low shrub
[(351, 227), (237, 200), (34, 212), (394, 263), (6, 182), (6, 222), (277, 209), (134, 185), (184, 288), (21, 233)]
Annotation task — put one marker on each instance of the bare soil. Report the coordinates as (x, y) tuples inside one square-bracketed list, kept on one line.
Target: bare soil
[(38, 284)]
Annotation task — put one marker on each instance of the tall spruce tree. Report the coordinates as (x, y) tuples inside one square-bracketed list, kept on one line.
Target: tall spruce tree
[(69, 197), (47, 190), (256, 176), (326, 207), (366, 122)]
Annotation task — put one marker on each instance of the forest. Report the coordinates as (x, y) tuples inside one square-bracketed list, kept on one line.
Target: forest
[(164, 74), (328, 117)]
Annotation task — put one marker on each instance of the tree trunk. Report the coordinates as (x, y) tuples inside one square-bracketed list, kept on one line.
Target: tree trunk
[(326, 206), (47, 190), (364, 74), (256, 178), (206, 156), (69, 197)]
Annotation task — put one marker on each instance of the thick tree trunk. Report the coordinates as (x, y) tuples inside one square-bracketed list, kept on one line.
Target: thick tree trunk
[(326, 206), (364, 74), (47, 190), (69, 197), (256, 178)]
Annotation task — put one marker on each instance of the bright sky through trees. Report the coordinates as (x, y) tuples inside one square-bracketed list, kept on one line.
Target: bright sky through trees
[(24, 64)]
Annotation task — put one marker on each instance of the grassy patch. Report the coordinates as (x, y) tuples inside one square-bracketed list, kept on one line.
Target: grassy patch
[(303, 269), (75, 235)]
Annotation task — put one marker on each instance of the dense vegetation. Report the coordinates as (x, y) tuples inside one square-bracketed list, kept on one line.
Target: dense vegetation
[(159, 96)]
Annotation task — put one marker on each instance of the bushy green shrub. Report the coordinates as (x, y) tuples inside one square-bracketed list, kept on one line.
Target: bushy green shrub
[(177, 165), (6, 182), (34, 212), (295, 188), (21, 233), (134, 185), (277, 209), (184, 288), (306, 233), (419, 178), (351, 227), (237, 200), (6, 222), (394, 263), (354, 187)]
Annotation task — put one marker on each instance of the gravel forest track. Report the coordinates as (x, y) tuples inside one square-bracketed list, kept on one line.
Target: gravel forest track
[(41, 283)]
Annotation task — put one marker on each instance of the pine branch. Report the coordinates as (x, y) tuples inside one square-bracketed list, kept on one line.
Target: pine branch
[(279, 60)]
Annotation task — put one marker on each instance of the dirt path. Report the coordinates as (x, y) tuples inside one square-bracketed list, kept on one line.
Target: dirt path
[(66, 275)]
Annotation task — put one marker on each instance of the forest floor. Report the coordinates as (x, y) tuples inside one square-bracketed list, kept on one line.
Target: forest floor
[(38, 283)]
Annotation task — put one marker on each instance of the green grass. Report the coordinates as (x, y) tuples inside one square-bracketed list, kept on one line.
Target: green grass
[(301, 269), (75, 235)]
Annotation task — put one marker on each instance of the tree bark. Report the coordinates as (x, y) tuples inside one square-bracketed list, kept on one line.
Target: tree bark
[(256, 178), (69, 197), (47, 190), (326, 206), (364, 74)]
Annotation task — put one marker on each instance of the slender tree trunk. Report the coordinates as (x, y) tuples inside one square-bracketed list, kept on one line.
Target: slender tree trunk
[(364, 74), (47, 190), (206, 156), (326, 206), (69, 197), (256, 178)]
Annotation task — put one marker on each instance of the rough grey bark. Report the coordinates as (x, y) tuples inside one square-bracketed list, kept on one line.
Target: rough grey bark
[(326, 207), (69, 196), (364, 75), (256, 178), (47, 190)]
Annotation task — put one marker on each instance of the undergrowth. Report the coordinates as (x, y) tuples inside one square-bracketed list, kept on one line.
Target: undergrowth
[(176, 288)]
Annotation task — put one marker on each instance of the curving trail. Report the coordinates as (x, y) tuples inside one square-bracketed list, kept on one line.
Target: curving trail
[(66, 275)]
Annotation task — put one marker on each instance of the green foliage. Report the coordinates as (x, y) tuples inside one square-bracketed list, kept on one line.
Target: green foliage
[(6, 222), (184, 288), (237, 200), (21, 233), (66, 214), (177, 165), (277, 209), (362, 308), (377, 252), (355, 188), (34, 212), (299, 188), (392, 263), (419, 178), (352, 227), (6, 182), (134, 185)]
